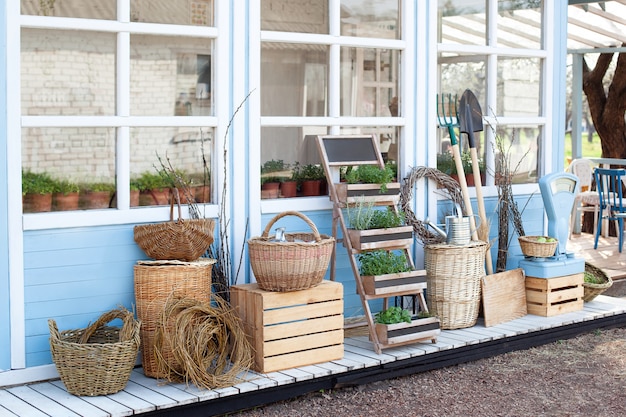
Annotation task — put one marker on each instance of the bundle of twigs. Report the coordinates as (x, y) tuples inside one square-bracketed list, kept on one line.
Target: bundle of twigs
[(446, 182), (207, 341)]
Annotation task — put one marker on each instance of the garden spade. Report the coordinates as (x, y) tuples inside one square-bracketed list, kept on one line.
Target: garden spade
[(470, 117)]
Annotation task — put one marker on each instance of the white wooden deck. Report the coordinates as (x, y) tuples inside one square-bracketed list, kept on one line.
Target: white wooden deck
[(148, 396)]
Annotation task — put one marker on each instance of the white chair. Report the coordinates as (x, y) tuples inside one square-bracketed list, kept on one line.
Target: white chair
[(586, 201)]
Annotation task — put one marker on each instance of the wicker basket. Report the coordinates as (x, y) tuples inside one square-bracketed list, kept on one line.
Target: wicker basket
[(454, 277), (297, 264), (155, 282), (97, 360), (593, 290), (184, 240), (530, 246)]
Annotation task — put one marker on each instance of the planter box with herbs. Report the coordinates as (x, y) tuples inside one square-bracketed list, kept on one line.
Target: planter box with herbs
[(396, 326), (369, 183), (384, 272), (376, 228)]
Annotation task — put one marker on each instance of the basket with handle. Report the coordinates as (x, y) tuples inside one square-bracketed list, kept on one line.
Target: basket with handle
[(182, 239), (296, 264), (532, 246), (97, 360)]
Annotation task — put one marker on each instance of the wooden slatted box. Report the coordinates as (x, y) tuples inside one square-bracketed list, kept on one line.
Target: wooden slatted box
[(291, 329), (552, 296)]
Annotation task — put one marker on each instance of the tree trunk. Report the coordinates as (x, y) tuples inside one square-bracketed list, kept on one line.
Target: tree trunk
[(607, 107)]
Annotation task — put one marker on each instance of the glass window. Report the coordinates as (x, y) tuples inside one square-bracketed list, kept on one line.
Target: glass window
[(519, 24), (369, 81), (519, 87), (63, 77), (294, 79), (68, 160), (518, 146), (193, 12), (370, 19), (184, 150), (171, 76), (463, 22), (86, 9), (302, 16)]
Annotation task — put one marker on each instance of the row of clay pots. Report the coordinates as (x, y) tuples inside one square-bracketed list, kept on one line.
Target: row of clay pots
[(288, 189), (36, 203)]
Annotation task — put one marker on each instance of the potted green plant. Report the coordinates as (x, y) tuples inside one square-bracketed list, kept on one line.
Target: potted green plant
[(66, 195), (270, 187), (310, 178), (371, 182), (396, 325), (37, 189), (96, 195), (156, 188), (374, 227), (387, 272)]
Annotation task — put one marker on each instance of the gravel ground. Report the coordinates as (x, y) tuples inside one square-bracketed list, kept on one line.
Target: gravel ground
[(583, 376)]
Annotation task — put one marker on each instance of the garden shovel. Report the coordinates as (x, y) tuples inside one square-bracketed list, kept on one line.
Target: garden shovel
[(470, 119)]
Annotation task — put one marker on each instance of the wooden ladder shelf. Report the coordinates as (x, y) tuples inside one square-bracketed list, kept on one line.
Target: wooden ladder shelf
[(355, 150)]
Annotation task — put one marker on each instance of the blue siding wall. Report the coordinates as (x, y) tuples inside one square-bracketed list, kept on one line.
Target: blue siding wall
[(5, 352), (73, 276)]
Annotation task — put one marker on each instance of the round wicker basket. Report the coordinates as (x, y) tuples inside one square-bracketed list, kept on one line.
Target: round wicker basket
[(592, 290), (531, 247)]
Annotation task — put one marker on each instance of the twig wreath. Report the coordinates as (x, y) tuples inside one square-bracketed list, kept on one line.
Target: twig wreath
[(445, 182)]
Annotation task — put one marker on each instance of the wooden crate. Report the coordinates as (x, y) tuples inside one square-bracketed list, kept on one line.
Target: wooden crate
[(389, 238), (402, 283), (353, 193), (291, 329), (552, 296)]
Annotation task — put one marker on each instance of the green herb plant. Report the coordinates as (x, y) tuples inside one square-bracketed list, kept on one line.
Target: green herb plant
[(365, 216), (371, 174), (393, 315), (381, 262)]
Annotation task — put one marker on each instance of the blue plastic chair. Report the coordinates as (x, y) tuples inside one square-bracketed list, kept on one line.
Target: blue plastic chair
[(609, 183)]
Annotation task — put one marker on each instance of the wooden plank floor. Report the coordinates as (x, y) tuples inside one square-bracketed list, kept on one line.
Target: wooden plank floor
[(360, 364), (606, 257)]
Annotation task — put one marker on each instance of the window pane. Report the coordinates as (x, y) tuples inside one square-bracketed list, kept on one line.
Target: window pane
[(371, 19), (186, 150), (519, 87), (303, 16), (194, 12), (294, 79), (84, 157), (518, 146), (63, 77), (171, 76), (369, 81), (519, 24), (462, 22), (460, 72), (86, 9)]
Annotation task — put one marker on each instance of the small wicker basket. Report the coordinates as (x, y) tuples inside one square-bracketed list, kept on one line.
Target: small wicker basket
[(297, 264), (97, 360), (593, 290), (531, 247)]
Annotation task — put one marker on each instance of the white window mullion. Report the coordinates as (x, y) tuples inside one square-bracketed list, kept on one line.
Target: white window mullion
[(122, 146)]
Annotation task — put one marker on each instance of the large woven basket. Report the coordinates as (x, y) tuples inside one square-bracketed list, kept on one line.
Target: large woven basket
[(297, 264), (454, 275), (531, 247), (155, 282), (97, 360), (182, 239), (593, 290)]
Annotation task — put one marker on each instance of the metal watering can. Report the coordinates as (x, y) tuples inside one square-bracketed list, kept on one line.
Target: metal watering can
[(458, 231)]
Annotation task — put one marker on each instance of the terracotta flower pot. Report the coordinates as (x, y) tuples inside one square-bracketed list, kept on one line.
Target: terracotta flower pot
[(311, 187), (270, 190), (95, 199), (289, 189), (36, 203), (65, 202)]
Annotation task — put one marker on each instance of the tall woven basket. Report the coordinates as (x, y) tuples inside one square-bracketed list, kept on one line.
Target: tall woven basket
[(155, 282), (297, 264), (454, 276), (97, 360)]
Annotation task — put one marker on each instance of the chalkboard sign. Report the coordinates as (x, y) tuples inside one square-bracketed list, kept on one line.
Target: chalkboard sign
[(350, 150)]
